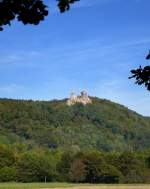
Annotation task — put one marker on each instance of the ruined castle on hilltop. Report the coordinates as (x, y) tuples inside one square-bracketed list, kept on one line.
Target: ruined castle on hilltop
[(83, 98)]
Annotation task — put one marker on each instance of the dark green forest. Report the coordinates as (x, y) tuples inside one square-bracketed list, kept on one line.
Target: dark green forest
[(102, 142)]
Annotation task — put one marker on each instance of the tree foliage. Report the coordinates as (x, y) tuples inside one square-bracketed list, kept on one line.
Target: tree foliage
[(77, 172), (142, 75), (102, 125), (65, 4), (27, 11), (34, 167), (54, 142), (40, 165)]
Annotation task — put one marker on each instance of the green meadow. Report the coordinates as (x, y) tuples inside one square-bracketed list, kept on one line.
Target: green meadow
[(34, 185), (69, 186)]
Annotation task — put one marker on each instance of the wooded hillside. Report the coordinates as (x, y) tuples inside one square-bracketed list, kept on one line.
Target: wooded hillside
[(102, 125)]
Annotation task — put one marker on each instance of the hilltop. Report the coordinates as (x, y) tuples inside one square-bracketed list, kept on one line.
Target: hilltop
[(102, 125)]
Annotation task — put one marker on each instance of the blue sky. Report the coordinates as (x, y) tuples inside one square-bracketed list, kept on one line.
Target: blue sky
[(92, 47)]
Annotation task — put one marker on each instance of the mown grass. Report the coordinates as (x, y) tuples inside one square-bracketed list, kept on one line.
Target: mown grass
[(68, 185), (34, 185)]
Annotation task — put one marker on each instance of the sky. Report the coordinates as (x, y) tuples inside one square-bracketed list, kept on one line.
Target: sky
[(92, 47)]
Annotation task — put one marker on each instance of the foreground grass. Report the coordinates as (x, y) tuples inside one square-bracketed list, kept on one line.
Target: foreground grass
[(34, 185), (70, 186)]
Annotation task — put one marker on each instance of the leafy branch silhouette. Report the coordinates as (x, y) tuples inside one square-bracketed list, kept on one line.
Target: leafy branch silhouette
[(142, 75), (27, 11)]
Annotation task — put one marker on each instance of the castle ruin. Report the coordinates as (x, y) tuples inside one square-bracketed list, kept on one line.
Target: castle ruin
[(83, 98)]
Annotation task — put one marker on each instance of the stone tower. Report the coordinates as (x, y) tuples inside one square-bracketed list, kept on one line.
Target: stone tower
[(84, 99)]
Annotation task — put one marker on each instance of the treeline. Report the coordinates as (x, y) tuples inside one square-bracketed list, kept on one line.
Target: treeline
[(40, 165)]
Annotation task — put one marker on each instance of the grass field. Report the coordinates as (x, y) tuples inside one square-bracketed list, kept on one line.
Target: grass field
[(34, 185), (69, 186)]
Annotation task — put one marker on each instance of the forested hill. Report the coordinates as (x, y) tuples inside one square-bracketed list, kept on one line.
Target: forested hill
[(102, 125)]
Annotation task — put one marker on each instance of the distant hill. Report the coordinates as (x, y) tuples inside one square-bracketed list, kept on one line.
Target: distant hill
[(102, 125)]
